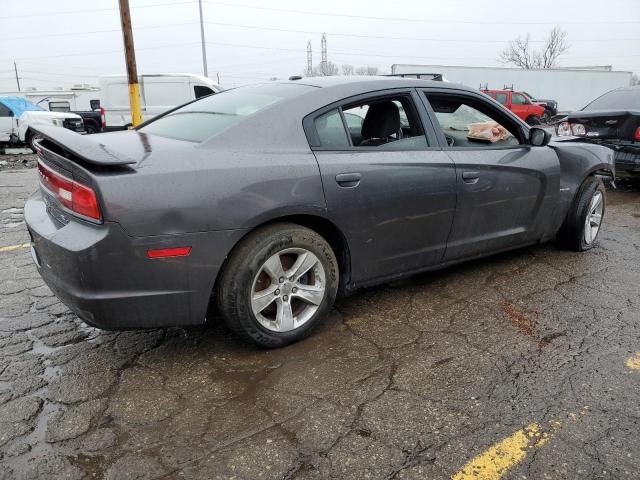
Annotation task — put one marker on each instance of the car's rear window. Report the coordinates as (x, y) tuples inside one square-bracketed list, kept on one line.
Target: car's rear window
[(205, 118), (628, 99)]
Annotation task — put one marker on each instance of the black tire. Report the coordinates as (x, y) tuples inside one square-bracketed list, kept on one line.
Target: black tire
[(533, 120), (90, 128), (572, 233), (30, 138), (235, 285), (546, 116)]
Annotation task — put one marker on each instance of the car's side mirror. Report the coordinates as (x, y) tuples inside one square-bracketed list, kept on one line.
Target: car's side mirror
[(539, 137)]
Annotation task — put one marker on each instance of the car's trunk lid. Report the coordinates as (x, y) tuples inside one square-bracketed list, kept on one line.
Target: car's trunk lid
[(608, 124)]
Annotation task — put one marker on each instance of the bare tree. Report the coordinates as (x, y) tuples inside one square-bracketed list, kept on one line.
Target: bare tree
[(521, 54), (367, 71), (347, 69), (325, 69)]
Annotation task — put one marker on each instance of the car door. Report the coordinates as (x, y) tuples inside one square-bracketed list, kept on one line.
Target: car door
[(394, 201), (6, 123), (519, 105), (507, 190)]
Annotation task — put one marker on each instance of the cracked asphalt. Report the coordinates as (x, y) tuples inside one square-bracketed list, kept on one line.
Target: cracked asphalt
[(411, 380)]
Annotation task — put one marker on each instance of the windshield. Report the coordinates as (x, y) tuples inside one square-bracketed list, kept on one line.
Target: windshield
[(623, 99), (212, 115), (19, 105)]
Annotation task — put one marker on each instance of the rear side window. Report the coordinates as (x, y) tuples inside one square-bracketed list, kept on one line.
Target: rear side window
[(199, 120), (502, 98), (331, 130)]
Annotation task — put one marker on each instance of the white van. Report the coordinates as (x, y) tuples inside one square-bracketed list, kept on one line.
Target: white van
[(159, 92)]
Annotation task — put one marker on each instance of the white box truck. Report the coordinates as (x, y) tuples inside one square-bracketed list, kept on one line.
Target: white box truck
[(572, 88), (159, 92)]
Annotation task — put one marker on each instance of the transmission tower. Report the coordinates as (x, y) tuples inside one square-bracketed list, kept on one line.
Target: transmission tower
[(309, 59), (323, 60)]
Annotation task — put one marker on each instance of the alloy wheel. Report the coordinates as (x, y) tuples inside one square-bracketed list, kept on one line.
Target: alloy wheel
[(594, 218), (288, 289)]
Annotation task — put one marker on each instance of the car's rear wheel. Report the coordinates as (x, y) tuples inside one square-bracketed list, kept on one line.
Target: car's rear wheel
[(546, 116), (582, 225), (31, 137), (278, 285)]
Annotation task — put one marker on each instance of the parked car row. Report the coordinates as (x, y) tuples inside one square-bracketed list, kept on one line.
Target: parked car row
[(107, 108), (20, 119)]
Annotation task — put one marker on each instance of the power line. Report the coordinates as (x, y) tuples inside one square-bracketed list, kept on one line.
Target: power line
[(94, 10), (414, 20), (385, 37), (68, 34), (106, 51)]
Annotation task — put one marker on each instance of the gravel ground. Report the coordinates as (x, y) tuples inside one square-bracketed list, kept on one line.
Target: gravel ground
[(411, 380), (18, 161)]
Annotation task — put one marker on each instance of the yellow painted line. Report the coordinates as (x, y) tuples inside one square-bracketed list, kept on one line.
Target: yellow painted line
[(495, 462), (633, 362), (14, 247)]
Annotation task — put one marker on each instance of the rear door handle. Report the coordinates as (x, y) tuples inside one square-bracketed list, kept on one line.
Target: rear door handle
[(471, 177), (348, 180)]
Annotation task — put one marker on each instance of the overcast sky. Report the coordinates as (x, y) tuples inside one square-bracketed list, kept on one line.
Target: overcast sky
[(61, 42)]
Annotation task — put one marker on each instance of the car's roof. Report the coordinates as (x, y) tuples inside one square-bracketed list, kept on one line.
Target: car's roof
[(374, 82)]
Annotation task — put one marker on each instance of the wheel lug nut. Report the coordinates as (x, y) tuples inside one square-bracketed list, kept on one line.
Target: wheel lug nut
[(281, 279), (294, 290), (285, 298), (277, 292)]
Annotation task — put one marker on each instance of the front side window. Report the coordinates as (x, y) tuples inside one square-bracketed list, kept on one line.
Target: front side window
[(4, 111), (202, 91), (211, 115), (471, 123), (517, 99)]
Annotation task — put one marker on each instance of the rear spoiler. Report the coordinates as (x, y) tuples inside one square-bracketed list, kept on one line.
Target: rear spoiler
[(87, 148)]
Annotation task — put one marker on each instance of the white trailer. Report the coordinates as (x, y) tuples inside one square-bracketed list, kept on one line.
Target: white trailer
[(572, 88), (77, 98)]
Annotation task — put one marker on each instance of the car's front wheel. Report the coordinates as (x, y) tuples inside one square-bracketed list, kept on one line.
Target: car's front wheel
[(278, 284), (582, 225)]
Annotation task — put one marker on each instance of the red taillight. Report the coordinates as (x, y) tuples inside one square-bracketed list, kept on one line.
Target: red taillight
[(636, 136), (73, 195), (103, 117), (168, 252)]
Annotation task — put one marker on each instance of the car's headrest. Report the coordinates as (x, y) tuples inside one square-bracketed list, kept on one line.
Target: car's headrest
[(382, 120)]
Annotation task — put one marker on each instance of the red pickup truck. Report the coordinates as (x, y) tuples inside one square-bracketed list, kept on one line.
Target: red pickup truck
[(520, 104)]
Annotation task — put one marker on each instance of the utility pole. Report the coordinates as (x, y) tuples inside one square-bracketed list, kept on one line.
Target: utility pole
[(15, 68), (130, 56), (204, 48), (323, 61), (309, 59)]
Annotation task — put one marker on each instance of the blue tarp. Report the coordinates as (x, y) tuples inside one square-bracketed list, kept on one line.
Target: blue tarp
[(19, 105)]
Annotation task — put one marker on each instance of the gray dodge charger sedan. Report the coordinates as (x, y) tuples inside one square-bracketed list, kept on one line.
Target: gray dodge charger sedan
[(266, 201)]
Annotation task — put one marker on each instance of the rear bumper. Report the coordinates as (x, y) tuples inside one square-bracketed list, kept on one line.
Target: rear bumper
[(104, 275), (627, 161)]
